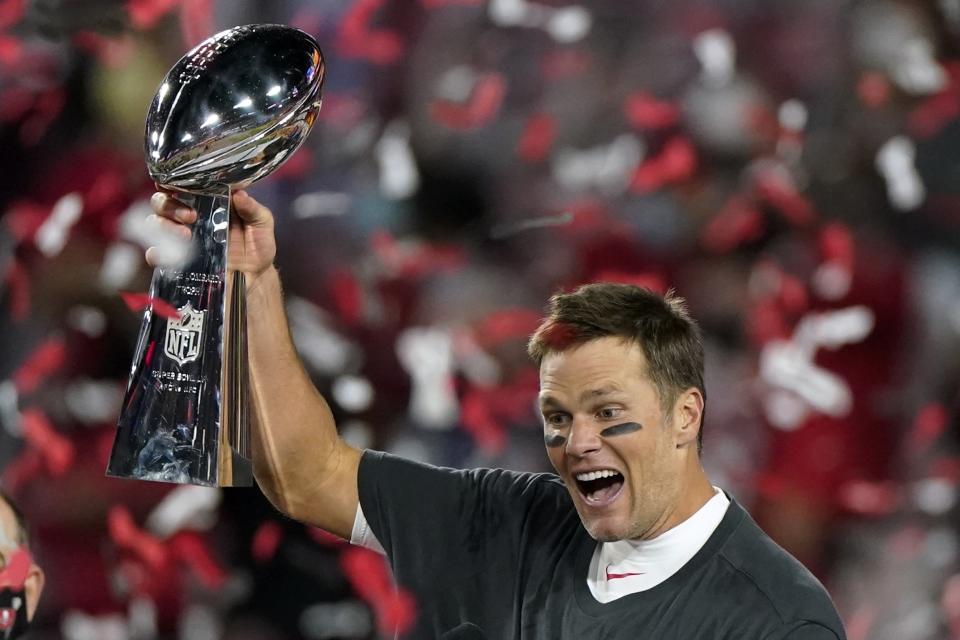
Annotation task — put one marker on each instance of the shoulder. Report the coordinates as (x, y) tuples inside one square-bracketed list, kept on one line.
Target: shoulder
[(779, 582)]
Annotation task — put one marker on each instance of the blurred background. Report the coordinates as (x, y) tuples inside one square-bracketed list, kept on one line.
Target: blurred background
[(790, 167)]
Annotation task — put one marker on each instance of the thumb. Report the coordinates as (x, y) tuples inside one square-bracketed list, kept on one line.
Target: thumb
[(250, 211)]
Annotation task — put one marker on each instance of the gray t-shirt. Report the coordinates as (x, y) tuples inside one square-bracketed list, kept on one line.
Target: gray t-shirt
[(503, 555)]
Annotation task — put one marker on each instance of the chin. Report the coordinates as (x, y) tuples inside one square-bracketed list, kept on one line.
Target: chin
[(603, 531)]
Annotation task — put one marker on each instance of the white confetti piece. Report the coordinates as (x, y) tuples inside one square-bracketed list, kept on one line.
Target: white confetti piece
[(322, 349), (607, 168), (717, 54), (120, 266), (320, 203), (895, 162), (352, 393), (93, 402), (399, 177), (186, 507), (426, 354), (52, 235)]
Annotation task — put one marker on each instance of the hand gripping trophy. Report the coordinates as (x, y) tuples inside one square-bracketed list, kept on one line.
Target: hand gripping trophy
[(227, 114)]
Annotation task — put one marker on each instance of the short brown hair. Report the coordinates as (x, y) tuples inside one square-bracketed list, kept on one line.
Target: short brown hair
[(660, 324)]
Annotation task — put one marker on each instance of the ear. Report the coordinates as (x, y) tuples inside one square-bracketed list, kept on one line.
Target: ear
[(687, 415), (32, 589)]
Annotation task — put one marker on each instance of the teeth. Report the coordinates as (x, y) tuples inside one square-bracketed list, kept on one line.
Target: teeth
[(596, 475)]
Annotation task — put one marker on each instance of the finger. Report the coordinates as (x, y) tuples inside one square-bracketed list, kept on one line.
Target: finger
[(166, 205), (251, 211), (167, 226)]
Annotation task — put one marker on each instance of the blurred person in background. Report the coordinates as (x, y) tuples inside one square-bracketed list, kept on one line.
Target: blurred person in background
[(21, 580), (492, 551)]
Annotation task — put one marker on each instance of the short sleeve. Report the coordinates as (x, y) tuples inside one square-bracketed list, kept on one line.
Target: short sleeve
[(442, 526)]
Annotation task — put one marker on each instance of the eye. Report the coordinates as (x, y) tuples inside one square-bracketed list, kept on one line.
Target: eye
[(555, 419), (608, 413)]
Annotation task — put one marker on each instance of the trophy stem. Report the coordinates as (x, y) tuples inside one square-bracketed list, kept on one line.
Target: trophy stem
[(240, 425)]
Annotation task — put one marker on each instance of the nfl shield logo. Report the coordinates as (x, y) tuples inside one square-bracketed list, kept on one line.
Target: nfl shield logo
[(183, 336)]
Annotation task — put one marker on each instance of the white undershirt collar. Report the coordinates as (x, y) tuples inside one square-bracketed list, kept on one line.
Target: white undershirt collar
[(628, 566)]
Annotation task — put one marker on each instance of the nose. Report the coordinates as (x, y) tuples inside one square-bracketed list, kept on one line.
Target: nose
[(583, 438)]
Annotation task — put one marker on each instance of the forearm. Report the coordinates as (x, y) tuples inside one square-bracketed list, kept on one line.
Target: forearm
[(300, 462)]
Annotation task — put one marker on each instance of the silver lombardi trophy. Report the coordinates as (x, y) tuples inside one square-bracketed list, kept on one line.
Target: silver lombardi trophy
[(227, 114)]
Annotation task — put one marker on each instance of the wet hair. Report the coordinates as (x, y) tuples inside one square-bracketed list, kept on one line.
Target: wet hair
[(21, 536), (660, 324)]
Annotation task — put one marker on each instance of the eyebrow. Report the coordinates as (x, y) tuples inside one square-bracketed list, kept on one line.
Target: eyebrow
[(590, 394)]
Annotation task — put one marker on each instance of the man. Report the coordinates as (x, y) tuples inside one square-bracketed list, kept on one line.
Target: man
[(21, 580), (629, 540)]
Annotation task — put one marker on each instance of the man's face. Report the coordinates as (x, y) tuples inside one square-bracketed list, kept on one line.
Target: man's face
[(21, 581), (609, 439)]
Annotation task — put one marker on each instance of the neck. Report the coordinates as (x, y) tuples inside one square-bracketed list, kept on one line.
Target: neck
[(695, 492)]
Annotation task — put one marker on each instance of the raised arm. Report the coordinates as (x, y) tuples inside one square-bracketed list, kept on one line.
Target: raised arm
[(300, 462)]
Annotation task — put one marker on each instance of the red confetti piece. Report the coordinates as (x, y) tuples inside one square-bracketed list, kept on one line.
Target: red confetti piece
[(647, 112), (127, 535), (347, 293), (394, 608), (111, 52), (478, 420), (326, 538), (481, 107), (486, 411), (298, 166), (870, 498), (537, 138), (58, 452), (139, 301), (792, 294), (11, 11), (564, 63), (859, 624), (766, 321), (939, 110), (677, 161), (193, 552), (929, 424), (11, 50), (950, 603), (145, 14), (783, 197), (946, 468), (46, 359), (907, 543), (24, 218), (265, 541), (196, 21), (506, 324), (358, 40), (873, 89), (737, 223), (836, 244), (413, 260)]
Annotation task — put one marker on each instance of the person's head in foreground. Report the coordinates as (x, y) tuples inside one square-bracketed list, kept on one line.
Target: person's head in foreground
[(622, 398), (21, 580)]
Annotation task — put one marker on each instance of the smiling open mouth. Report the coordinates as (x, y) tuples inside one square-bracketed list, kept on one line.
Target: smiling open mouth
[(599, 487)]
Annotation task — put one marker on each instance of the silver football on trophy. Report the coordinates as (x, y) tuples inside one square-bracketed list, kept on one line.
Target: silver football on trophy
[(234, 108), (228, 113)]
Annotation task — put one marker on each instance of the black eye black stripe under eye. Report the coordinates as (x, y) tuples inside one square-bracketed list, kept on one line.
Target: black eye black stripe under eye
[(554, 440), (621, 429)]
